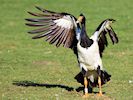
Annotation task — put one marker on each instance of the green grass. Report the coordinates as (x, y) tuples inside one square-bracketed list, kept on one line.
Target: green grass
[(33, 62)]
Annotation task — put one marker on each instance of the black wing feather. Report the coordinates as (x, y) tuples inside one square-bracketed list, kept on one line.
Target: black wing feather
[(113, 35)]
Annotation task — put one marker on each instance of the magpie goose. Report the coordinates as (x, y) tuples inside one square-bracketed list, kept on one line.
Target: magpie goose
[(63, 29), (90, 51)]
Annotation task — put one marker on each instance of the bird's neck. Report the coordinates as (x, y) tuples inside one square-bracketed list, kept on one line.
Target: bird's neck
[(85, 41)]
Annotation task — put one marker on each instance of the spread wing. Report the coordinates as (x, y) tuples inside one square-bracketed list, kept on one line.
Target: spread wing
[(57, 28), (102, 41)]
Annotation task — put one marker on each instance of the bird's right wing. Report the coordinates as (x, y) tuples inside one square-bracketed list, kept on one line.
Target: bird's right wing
[(57, 28), (102, 41), (101, 34)]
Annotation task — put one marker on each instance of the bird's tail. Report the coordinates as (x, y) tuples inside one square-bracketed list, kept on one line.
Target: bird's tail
[(105, 77)]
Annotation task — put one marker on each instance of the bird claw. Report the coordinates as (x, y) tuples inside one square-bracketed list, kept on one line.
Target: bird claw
[(100, 94), (86, 95)]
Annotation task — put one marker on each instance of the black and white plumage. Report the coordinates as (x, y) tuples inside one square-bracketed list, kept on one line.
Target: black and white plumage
[(90, 52), (64, 29)]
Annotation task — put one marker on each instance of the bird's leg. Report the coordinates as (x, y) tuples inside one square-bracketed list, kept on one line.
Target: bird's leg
[(100, 87), (99, 81), (85, 88)]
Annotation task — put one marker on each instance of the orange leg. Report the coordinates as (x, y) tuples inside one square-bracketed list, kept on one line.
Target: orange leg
[(86, 88), (100, 87)]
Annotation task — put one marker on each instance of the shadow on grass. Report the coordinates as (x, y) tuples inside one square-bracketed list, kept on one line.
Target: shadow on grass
[(33, 84), (29, 83)]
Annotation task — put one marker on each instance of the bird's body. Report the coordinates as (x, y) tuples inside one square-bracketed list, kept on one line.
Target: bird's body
[(89, 57), (64, 29)]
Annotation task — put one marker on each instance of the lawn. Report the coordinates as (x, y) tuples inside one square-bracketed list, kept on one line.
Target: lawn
[(34, 70)]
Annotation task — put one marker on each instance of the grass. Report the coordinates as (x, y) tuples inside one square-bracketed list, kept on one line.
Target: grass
[(47, 73)]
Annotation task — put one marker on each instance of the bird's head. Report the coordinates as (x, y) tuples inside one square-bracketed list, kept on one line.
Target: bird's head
[(81, 19), (108, 23)]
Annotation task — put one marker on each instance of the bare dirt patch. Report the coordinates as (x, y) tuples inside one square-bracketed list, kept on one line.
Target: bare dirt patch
[(44, 62)]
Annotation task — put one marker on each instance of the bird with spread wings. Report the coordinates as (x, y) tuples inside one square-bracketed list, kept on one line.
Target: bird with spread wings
[(63, 29)]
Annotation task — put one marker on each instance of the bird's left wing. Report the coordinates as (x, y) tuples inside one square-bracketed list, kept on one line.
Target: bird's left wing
[(57, 28)]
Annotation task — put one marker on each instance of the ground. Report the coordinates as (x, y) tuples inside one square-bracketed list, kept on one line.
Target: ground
[(34, 70)]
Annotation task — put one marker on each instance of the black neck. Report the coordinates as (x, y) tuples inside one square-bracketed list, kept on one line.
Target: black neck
[(85, 41)]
